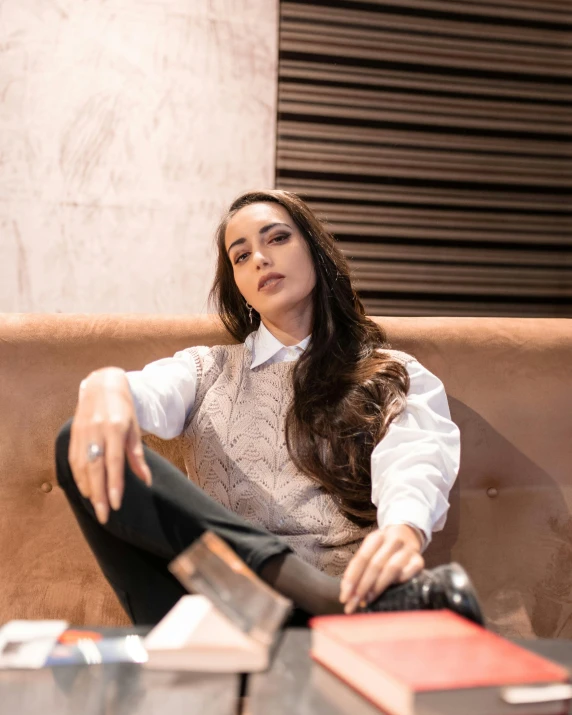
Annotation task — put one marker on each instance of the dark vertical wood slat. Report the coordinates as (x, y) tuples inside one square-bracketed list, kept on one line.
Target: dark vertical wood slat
[(435, 139)]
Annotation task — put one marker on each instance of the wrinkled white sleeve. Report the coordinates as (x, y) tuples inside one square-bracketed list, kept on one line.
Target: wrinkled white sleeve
[(416, 463), (164, 392)]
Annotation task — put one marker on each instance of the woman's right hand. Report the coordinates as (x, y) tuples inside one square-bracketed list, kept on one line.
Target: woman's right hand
[(105, 416)]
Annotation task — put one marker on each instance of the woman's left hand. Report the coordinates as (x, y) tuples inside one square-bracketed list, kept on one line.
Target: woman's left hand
[(391, 555)]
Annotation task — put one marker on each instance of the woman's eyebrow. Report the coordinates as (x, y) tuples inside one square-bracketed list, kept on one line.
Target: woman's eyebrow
[(267, 228), (236, 243), (262, 231)]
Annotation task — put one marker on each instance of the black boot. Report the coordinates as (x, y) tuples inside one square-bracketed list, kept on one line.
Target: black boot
[(446, 586)]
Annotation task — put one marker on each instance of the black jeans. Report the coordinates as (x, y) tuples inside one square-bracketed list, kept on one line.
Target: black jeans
[(153, 525)]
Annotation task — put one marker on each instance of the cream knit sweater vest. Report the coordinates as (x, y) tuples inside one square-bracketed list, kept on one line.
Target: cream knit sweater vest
[(235, 450)]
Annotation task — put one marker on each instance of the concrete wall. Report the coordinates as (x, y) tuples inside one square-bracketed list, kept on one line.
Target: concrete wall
[(126, 127)]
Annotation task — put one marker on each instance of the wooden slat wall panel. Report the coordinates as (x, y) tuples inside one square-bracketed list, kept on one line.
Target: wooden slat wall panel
[(435, 137)]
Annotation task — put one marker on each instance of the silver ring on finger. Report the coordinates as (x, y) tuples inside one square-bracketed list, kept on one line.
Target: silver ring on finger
[(94, 451)]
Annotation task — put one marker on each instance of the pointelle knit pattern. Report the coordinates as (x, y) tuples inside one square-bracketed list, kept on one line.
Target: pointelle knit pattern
[(235, 450)]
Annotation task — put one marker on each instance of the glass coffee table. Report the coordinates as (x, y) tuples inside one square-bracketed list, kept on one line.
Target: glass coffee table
[(293, 685)]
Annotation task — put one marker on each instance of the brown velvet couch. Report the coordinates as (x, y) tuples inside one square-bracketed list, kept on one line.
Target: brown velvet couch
[(510, 390)]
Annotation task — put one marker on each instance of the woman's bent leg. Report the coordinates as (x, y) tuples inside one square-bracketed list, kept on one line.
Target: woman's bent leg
[(153, 525)]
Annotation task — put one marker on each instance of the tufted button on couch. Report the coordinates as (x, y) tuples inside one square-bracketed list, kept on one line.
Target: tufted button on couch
[(509, 383)]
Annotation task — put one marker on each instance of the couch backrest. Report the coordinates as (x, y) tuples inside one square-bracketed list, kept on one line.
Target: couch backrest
[(510, 391)]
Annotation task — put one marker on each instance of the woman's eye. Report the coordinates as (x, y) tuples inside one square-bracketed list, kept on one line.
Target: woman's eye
[(275, 239)]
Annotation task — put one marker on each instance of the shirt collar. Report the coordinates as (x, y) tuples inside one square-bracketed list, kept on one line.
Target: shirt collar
[(263, 345)]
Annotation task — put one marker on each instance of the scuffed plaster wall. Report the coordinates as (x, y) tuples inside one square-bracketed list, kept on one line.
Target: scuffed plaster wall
[(126, 126)]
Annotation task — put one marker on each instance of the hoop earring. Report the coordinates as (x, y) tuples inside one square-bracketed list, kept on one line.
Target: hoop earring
[(249, 311)]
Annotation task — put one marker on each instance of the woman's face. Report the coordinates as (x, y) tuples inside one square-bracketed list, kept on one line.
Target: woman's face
[(272, 265)]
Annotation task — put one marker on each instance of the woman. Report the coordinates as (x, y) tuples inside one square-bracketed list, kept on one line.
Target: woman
[(318, 452)]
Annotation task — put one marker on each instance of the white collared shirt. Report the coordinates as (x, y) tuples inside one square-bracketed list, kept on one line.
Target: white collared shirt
[(265, 348), (412, 469)]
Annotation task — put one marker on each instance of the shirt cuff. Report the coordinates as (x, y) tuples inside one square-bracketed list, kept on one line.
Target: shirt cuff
[(410, 513)]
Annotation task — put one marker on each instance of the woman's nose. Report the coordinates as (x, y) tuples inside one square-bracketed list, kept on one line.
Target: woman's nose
[(261, 259)]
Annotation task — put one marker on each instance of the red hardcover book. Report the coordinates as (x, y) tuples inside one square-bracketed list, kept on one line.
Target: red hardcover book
[(436, 661)]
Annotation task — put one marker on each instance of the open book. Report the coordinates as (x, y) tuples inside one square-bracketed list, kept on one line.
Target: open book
[(230, 625)]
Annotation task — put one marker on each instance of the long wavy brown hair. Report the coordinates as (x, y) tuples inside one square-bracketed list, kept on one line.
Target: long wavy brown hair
[(346, 389)]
